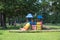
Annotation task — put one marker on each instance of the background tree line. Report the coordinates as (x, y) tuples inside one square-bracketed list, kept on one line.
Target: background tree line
[(11, 10)]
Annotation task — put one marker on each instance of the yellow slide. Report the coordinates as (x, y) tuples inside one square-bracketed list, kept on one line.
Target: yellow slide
[(25, 27)]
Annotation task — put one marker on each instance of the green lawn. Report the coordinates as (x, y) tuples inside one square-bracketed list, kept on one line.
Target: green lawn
[(6, 35)]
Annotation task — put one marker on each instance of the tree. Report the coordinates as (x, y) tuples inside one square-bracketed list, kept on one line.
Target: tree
[(56, 8), (17, 7)]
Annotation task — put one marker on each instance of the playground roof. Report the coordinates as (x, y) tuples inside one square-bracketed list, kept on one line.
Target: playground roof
[(29, 15), (39, 16)]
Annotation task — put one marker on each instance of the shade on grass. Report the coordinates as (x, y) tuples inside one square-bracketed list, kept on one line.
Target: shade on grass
[(29, 36)]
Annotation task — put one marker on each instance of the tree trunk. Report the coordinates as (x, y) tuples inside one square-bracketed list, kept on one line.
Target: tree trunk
[(9, 20), (0, 19), (3, 20), (15, 23)]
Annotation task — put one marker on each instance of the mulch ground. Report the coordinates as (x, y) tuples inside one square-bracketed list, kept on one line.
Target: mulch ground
[(34, 31)]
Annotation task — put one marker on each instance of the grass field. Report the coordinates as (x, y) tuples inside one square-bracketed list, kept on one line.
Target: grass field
[(6, 35)]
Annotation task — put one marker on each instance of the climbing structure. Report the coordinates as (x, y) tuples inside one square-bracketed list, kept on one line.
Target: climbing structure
[(39, 22)]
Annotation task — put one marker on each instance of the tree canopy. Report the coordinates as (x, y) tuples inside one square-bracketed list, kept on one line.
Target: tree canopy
[(49, 9)]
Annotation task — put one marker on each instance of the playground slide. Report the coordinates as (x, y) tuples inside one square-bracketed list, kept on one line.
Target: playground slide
[(26, 27)]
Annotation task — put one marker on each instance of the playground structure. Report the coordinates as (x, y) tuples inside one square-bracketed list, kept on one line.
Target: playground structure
[(31, 24)]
